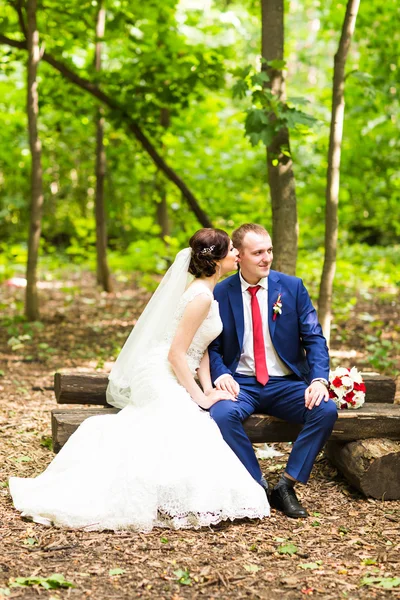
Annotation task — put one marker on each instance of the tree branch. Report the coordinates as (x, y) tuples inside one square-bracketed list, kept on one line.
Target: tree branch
[(18, 8), (96, 92)]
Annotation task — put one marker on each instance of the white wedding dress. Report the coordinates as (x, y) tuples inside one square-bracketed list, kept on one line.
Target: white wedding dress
[(160, 462)]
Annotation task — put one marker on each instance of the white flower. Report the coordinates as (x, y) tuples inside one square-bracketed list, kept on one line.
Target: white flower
[(356, 375), (347, 382), (359, 398), (340, 371)]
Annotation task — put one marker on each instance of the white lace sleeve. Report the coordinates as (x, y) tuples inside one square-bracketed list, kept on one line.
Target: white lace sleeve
[(191, 293), (196, 290)]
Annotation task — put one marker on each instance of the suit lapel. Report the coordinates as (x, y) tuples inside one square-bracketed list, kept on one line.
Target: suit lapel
[(236, 302), (274, 289)]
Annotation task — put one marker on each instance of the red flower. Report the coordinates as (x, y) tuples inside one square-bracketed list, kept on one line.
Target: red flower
[(332, 394), (349, 397), (359, 387), (337, 382)]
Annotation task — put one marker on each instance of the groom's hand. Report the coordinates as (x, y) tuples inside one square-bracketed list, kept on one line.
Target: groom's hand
[(228, 384), (315, 393)]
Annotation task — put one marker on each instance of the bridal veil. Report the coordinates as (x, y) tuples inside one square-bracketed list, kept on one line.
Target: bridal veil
[(149, 330)]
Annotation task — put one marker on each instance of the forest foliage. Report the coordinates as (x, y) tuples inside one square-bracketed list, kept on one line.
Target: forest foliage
[(196, 62)]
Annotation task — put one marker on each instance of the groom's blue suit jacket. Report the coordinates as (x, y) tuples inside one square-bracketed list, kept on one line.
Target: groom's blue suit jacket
[(296, 334)]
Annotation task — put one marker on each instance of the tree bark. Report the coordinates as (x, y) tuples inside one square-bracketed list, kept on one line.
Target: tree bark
[(132, 126), (36, 204), (162, 206), (102, 270), (162, 209), (372, 466), (333, 173), (285, 230)]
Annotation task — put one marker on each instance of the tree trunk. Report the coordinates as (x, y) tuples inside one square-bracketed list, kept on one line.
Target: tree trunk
[(131, 124), (285, 231), (333, 174), (162, 210), (372, 466), (36, 205), (160, 185), (102, 270)]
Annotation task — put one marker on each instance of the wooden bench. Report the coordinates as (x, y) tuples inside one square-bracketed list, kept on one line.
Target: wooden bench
[(367, 437)]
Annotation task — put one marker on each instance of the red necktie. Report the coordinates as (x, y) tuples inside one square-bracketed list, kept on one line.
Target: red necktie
[(258, 338)]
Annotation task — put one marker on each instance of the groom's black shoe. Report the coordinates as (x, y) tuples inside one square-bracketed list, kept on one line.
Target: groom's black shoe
[(283, 498)]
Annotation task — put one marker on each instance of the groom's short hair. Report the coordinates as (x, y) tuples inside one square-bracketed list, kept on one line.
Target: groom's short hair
[(240, 232)]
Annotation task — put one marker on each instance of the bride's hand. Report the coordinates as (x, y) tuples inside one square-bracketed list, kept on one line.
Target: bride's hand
[(215, 396)]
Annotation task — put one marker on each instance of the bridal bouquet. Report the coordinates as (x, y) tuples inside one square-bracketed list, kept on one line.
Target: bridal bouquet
[(346, 388)]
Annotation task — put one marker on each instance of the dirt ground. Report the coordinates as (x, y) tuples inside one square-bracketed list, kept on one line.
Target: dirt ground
[(349, 547)]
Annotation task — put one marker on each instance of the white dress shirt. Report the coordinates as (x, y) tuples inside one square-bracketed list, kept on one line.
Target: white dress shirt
[(246, 364)]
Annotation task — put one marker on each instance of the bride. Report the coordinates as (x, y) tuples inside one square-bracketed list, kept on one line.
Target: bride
[(161, 461)]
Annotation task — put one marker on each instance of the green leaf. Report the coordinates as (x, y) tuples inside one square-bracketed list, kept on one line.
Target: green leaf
[(382, 582), (312, 565), (14, 343), (259, 78), (390, 582), (267, 135), (58, 580), (22, 459), (183, 576), (255, 120), (116, 571), (47, 442), (252, 568), (30, 541), (369, 561), (254, 138), (294, 117), (298, 100), (361, 76), (288, 549), (276, 64), (242, 73), (164, 540), (55, 581), (239, 89)]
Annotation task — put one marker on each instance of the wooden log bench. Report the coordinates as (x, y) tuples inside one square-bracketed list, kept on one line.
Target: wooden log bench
[(364, 444)]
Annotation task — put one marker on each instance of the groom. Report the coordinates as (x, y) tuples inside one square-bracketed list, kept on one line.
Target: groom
[(273, 357)]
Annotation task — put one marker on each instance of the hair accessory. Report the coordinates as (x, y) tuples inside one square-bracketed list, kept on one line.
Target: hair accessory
[(207, 250)]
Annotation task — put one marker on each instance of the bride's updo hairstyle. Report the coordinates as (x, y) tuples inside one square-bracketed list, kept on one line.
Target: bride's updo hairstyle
[(208, 247)]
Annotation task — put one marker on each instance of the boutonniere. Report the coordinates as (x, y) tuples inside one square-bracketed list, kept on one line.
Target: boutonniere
[(277, 307)]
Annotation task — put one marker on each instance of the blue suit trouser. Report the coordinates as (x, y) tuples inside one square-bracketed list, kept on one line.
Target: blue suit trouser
[(282, 397)]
